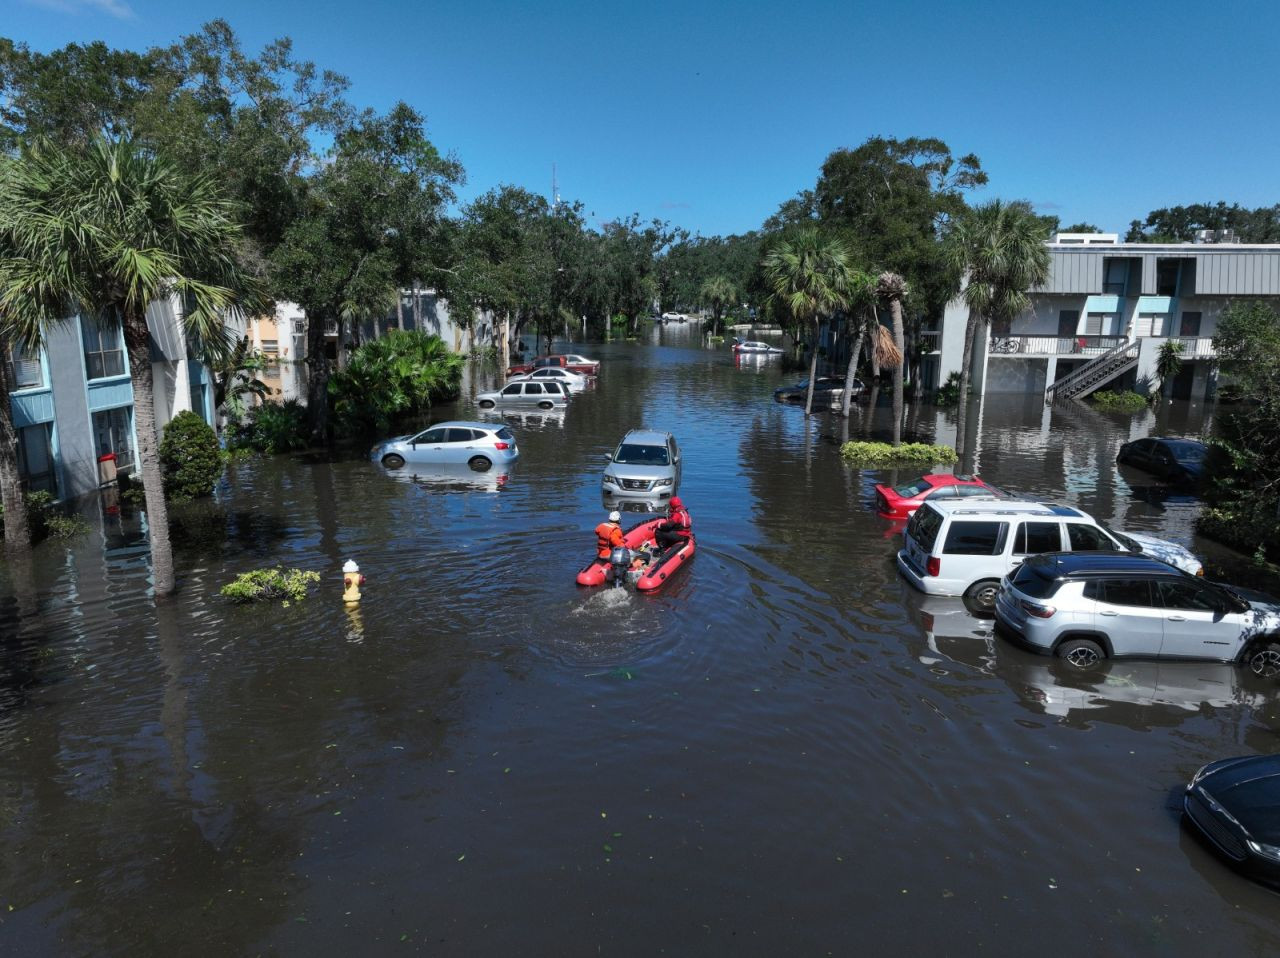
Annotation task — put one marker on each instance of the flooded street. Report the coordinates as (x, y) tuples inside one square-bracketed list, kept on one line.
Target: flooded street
[(785, 751)]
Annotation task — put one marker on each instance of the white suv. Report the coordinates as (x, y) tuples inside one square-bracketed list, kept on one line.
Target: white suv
[(967, 546)]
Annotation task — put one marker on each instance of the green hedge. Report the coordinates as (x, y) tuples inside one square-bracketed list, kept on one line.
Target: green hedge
[(288, 585), (190, 457), (1125, 401), (883, 453)]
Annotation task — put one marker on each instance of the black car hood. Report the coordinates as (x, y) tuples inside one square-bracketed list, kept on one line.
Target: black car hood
[(1249, 789)]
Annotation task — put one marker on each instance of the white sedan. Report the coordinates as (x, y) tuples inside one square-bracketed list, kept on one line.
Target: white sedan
[(574, 382)]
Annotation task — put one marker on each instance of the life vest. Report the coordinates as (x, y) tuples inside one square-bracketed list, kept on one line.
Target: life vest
[(681, 523), (607, 536)]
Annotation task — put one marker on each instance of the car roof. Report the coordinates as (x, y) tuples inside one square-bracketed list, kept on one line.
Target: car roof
[(997, 506), (1082, 563), (487, 426), (646, 437)]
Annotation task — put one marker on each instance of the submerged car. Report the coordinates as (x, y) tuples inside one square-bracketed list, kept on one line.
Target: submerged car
[(1084, 607), (646, 464), (1232, 804), (1177, 460), (480, 445), (575, 382), (899, 502), (827, 391), (543, 395)]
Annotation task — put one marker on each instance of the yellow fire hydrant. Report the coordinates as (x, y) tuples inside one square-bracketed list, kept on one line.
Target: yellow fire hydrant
[(351, 582)]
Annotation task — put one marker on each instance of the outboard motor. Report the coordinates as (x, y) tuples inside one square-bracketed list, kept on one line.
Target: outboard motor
[(619, 562)]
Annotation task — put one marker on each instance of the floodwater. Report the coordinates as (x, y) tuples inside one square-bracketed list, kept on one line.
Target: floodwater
[(786, 751)]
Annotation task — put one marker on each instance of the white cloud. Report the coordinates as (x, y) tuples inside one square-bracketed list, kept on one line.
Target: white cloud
[(115, 8)]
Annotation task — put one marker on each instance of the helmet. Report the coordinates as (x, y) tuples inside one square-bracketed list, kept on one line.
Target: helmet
[(676, 503), (615, 516)]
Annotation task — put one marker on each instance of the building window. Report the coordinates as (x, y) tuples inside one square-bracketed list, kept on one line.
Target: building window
[(271, 346), (1167, 277), (113, 433), (1190, 324), (24, 366), (1149, 324), (1068, 322), (103, 348), (35, 458), (1116, 277), (197, 400)]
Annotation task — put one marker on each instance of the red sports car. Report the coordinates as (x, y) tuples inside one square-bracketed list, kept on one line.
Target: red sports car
[(900, 502)]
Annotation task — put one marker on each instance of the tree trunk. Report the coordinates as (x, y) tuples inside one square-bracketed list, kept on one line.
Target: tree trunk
[(342, 344), (138, 342), (17, 527), (813, 371), (966, 363), (400, 310), (506, 342), (851, 373), (317, 378), (895, 311)]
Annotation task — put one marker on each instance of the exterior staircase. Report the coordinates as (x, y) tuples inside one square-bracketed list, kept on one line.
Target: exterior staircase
[(1094, 374)]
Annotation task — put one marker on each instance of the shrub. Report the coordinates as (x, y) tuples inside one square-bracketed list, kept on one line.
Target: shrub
[(949, 392), (190, 457), (273, 427), (1254, 531), (47, 520), (882, 453), (390, 378), (1125, 401), (288, 585)]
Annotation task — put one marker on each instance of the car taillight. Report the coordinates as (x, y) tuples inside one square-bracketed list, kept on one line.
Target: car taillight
[(1039, 611), (501, 445), (933, 566)]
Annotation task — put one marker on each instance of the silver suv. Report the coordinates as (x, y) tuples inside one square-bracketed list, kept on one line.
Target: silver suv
[(646, 464), (1087, 606)]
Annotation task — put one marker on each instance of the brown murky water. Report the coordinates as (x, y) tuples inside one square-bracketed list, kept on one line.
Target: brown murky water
[(787, 751)]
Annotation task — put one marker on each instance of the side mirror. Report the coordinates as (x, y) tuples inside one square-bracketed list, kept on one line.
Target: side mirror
[(609, 456)]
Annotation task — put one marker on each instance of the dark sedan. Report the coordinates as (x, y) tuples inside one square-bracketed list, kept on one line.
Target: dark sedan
[(1234, 804), (827, 391), (1178, 460)]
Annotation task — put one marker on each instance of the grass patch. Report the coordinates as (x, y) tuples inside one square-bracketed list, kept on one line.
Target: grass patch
[(1125, 401), (288, 585), (884, 454)]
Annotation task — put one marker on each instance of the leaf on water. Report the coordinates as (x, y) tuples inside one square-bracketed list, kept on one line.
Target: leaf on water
[(404, 937), (617, 834), (608, 848), (505, 770), (462, 856)]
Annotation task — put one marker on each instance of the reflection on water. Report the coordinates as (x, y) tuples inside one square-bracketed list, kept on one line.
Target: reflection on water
[(483, 757)]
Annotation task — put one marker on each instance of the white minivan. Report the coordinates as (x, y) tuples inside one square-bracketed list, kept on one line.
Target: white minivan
[(965, 547)]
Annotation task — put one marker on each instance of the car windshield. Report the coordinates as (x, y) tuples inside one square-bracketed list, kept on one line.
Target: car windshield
[(1187, 451), (913, 489), (634, 455), (1130, 544)]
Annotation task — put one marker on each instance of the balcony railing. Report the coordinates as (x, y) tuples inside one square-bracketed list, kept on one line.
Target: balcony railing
[(1053, 345), (1193, 347)]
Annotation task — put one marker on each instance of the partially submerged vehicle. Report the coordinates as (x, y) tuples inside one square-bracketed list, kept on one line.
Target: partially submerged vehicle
[(647, 575), (752, 346)]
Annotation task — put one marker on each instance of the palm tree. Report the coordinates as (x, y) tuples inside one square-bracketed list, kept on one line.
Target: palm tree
[(892, 287), (1001, 248), (17, 528), (861, 313), (809, 276), (719, 291), (105, 231)]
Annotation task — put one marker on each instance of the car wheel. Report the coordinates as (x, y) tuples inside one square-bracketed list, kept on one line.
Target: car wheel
[(392, 461), (479, 464), (1264, 660), (981, 596), (545, 405), (487, 403), (1082, 654)]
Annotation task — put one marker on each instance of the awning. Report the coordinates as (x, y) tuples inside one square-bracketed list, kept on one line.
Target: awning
[(1155, 304), (1102, 304)]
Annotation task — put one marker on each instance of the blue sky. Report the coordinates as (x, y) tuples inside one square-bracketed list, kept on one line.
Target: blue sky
[(709, 114)]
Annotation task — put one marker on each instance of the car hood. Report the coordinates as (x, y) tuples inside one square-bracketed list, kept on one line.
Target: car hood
[(1249, 789), (1166, 551), (621, 469)]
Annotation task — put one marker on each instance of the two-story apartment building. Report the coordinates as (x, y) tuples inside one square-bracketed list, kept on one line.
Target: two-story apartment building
[(73, 401), (1100, 319)]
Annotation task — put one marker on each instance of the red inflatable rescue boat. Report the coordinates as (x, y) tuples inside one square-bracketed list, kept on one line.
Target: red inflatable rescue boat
[(662, 564)]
